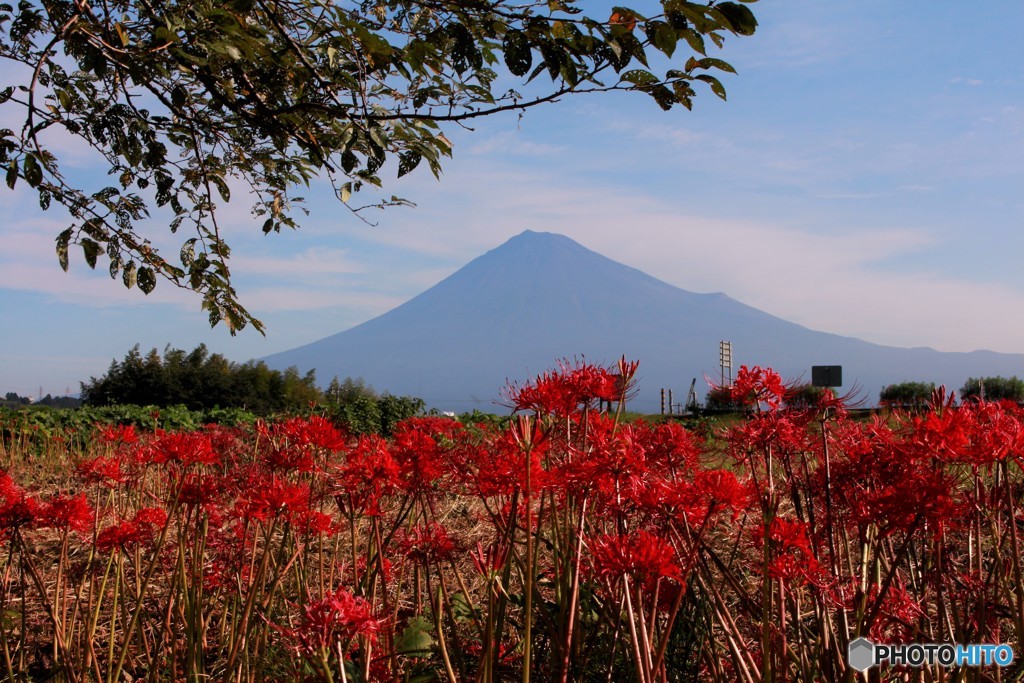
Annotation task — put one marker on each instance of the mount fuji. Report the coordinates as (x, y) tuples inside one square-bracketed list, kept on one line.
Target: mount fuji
[(518, 309)]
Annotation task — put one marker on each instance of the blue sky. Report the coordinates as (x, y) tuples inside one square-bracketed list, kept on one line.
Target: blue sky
[(865, 178)]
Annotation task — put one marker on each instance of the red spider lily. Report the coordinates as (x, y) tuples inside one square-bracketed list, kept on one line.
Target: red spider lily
[(332, 623), (64, 512), (312, 522), (643, 556), (186, 448), (420, 459), (296, 441), (501, 469), (758, 385), (561, 392), (230, 550), (944, 435), (428, 542), (134, 532), (616, 465), (377, 563), (884, 479), (17, 509), (268, 497), (785, 433), (898, 614), (122, 434), (313, 431), (997, 434), (440, 427), (708, 493), (107, 471), (491, 561), (673, 448), (723, 491), (508, 653), (368, 474), (201, 490), (791, 556)]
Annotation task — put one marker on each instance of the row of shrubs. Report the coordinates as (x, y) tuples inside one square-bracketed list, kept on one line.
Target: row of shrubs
[(906, 395)]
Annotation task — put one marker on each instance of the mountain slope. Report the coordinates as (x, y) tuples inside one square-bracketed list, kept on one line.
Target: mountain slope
[(540, 297)]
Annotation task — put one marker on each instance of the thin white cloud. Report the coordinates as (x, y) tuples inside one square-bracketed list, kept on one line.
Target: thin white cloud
[(260, 300), (512, 143), (311, 261)]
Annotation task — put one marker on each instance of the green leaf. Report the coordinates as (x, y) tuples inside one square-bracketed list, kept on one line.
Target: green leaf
[(91, 250), (188, 251), (222, 187), (408, 161), (711, 62), (695, 40), (662, 95), (640, 77), (12, 174), (146, 279), (552, 58), (518, 55), (684, 93), (664, 37), (63, 240), (416, 638), (716, 85), (465, 53), (128, 275), (461, 608), (741, 19)]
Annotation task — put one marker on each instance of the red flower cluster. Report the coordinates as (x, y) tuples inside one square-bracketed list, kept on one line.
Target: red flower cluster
[(333, 622), (127, 534), (427, 543), (63, 512), (643, 556), (791, 556), (16, 508), (561, 392), (758, 385)]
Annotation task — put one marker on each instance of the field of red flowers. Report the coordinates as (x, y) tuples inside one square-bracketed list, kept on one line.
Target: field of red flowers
[(569, 545)]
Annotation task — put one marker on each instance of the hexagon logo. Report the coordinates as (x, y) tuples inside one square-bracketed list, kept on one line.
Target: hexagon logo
[(861, 654)]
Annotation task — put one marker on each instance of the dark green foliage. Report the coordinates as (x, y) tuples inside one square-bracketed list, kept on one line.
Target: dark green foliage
[(180, 101), (720, 399), (364, 412), (12, 400), (907, 395), (348, 390), (993, 389), (200, 380), (394, 409), (361, 416), (804, 396)]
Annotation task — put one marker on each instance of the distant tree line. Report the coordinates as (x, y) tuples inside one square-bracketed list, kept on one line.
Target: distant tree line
[(906, 395), (916, 395), (13, 400), (200, 381), (993, 389)]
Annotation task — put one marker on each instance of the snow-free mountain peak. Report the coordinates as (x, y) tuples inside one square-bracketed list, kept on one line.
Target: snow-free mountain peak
[(518, 309)]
